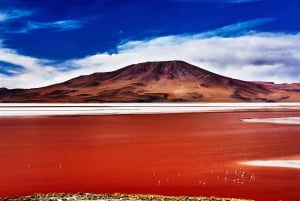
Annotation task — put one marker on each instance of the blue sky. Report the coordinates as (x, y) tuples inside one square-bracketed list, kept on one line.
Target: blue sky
[(51, 41)]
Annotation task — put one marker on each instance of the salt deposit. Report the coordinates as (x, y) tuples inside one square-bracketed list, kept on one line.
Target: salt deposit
[(25, 109)]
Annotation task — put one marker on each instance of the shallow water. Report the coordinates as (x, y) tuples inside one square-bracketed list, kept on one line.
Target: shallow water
[(170, 154)]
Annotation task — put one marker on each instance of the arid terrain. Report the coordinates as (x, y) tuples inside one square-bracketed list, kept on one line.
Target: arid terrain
[(165, 81), (199, 154)]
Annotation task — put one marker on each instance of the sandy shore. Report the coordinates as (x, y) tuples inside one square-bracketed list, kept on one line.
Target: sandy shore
[(196, 154), (112, 197)]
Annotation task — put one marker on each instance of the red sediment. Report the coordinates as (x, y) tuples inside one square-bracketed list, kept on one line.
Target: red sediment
[(170, 154)]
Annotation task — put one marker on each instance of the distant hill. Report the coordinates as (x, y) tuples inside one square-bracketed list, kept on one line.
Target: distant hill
[(163, 81)]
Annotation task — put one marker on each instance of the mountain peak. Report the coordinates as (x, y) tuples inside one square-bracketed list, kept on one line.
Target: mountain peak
[(2, 89), (156, 81), (156, 70)]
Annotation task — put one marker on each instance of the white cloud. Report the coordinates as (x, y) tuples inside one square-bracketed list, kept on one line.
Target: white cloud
[(62, 25), (14, 14), (6, 15), (237, 28), (219, 1), (253, 57), (36, 73), (242, 1)]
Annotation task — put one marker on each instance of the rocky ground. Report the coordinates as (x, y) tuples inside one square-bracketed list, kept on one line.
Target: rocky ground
[(107, 197)]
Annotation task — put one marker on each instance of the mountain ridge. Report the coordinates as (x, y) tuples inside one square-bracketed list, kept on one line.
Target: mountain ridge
[(162, 81)]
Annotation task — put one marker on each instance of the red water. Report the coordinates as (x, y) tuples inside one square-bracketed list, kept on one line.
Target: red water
[(169, 154)]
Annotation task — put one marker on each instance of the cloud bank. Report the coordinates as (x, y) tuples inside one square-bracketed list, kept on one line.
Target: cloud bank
[(251, 56), (32, 72)]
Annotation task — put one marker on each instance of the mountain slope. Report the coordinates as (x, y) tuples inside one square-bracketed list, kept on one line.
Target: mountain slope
[(165, 81)]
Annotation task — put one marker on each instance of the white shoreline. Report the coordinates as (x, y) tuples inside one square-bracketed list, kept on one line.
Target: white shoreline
[(274, 163), (202, 104), (283, 120), (46, 109)]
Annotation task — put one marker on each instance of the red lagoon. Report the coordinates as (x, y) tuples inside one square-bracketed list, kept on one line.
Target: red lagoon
[(170, 154)]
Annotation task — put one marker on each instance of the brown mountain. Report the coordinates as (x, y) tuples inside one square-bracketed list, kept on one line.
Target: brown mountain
[(166, 81)]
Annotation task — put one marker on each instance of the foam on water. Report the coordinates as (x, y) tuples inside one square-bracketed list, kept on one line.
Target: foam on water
[(274, 163), (283, 120)]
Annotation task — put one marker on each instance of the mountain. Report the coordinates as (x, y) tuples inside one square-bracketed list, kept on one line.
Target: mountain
[(164, 81)]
